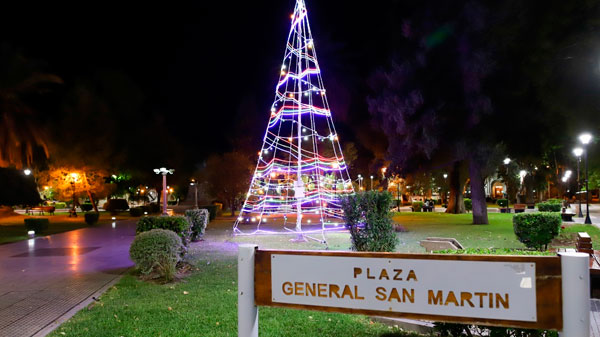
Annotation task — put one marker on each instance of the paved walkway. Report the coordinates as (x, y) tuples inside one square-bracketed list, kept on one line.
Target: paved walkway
[(41, 279)]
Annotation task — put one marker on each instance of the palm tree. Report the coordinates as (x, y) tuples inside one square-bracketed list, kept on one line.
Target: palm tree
[(21, 135)]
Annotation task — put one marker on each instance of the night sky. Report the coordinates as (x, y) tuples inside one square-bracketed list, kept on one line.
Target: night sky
[(207, 68)]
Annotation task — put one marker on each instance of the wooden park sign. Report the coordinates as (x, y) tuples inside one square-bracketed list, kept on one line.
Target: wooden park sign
[(512, 291)]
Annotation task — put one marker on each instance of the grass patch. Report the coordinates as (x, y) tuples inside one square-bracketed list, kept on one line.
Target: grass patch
[(570, 232), (498, 234), (208, 308)]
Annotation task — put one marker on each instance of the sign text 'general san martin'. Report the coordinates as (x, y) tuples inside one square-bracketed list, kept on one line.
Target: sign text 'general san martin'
[(495, 290)]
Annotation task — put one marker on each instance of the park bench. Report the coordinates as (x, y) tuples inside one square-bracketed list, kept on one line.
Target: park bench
[(520, 208), (40, 210), (434, 243)]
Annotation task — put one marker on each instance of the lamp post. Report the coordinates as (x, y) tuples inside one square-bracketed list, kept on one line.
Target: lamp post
[(193, 183), (74, 179), (371, 183), (164, 173), (445, 195), (360, 179), (585, 139), (398, 194), (506, 162), (578, 152)]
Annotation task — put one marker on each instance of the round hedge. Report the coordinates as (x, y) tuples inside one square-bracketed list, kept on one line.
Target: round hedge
[(157, 250), (536, 230)]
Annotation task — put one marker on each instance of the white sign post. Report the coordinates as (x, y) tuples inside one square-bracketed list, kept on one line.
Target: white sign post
[(247, 309)]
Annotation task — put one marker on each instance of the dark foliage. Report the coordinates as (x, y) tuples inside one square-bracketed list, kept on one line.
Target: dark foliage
[(157, 251), (551, 205), (38, 225), (116, 205), (198, 218), (368, 220), (536, 230), (212, 210), (137, 211), (17, 188), (91, 218), (468, 204), (177, 224)]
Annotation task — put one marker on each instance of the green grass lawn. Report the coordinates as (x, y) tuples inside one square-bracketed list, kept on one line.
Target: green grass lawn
[(497, 234), (204, 304)]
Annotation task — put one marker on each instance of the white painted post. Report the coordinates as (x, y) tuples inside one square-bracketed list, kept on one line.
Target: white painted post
[(247, 310), (575, 294)]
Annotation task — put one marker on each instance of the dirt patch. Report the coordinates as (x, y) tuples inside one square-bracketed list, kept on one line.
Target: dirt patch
[(565, 240)]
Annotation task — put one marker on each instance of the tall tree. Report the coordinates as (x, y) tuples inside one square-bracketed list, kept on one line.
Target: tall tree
[(227, 176), (73, 182), (22, 84), (431, 98), (17, 189)]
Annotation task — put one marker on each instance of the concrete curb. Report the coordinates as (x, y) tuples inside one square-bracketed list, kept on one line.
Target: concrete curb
[(422, 327), (81, 305)]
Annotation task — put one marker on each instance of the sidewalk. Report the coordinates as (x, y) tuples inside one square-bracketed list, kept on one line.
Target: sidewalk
[(42, 279)]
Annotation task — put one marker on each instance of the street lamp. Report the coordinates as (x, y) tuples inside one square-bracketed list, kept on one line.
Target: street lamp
[(360, 178), (506, 162), (585, 139), (578, 152), (193, 183), (371, 183), (164, 173), (398, 194), (27, 172)]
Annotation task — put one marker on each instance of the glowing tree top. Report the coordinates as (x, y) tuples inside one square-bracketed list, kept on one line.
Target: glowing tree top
[(301, 169)]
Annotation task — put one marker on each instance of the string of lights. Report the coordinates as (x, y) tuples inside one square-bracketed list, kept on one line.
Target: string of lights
[(300, 170)]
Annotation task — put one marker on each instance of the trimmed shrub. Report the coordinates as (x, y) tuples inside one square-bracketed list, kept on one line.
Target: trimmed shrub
[(91, 218), (468, 204), (494, 251), (36, 224), (60, 205), (136, 211), (156, 251), (153, 208), (212, 209), (177, 224), (417, 206), (86, 207), (198, 218), (502, 202), (116, 205), (536, 230), (552, 205), (368, 219)]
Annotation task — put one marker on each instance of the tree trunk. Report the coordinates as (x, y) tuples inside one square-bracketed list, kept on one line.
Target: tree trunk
[(93, 201), (232, 206), (529, 195), (480, 216), (456, 204)]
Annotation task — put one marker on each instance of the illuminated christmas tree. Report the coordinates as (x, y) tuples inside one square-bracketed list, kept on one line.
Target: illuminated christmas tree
[(301, 174)]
